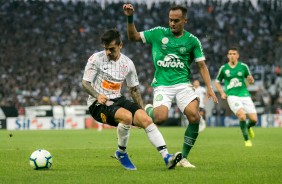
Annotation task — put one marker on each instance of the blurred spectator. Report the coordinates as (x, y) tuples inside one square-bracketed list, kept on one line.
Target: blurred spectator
[(45, 44)]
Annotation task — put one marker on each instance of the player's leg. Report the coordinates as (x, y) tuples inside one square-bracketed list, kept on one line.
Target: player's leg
[(120, 118), (124, 119), (188, 103), (141, 119), (202, 124), (191, 133), (243, 124), (252, 115), (236, 105), (252, 122), (163, 97)]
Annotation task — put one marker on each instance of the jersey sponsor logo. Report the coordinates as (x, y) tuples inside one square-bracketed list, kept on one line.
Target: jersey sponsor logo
[(239, 74), (111, 86), (170, 61), (234, 83)]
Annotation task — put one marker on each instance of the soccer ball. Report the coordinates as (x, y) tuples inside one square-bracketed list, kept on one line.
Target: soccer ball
[(40, 159)]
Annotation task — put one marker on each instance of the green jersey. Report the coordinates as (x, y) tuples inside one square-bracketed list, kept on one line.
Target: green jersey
[(234, 79), (172, 56)]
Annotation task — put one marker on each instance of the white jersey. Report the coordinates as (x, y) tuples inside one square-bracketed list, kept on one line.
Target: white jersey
[(201, 92), (107, 77)]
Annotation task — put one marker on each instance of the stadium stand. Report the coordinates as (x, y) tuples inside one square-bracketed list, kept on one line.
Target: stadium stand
[(45, 44)]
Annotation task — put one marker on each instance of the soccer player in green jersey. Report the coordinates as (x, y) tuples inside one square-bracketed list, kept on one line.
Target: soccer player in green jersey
[(235, 91), (173, 51)]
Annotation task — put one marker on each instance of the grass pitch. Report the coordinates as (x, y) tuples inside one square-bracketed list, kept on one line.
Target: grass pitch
[(86, 156)]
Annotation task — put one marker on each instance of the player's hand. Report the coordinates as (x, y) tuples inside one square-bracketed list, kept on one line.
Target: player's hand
[(128, 9), (102, 99), (250, 79), (223, 96), (211, 94)]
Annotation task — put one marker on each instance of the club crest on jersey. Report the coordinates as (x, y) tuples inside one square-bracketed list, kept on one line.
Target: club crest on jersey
[(182, 50), (227, 72), (123, 69), (239, 74), (165, 40)]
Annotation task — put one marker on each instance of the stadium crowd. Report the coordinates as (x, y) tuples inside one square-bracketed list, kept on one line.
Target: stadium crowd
[(45, 45)]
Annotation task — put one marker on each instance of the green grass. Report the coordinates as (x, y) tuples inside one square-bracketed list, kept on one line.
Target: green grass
[(85, 156)]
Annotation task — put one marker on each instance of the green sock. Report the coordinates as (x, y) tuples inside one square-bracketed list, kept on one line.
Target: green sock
[(190, 137), (251, 123), (244, 129), (150, 112)]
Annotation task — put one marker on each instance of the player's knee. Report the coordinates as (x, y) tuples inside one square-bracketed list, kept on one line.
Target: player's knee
[(194, 118), (255, 120), (127, 118), (242, 117), (146, 121), (160, 119)]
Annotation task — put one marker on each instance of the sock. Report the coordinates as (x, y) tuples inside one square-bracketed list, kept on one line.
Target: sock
[(190, 137), (244, 129), (123, 136), (156, 139), (150, 112), (251, 123)]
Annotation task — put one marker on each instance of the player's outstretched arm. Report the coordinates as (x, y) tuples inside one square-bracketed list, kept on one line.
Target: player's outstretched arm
[(132, 33), (207, 80)]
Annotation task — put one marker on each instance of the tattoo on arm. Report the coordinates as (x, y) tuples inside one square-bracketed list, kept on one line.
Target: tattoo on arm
[(136, 95), (89, 89)]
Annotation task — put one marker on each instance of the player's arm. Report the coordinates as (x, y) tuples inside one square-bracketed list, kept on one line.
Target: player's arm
[(220, 90), (250, 78), (207, 80), (90, 72), (101, 98), (136, 95), (132, 33)]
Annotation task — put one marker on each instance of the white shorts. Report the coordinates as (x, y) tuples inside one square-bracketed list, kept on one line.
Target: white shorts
[(183, 93), (235, 103)]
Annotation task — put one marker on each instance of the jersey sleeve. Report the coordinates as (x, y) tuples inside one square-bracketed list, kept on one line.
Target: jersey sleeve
[(132, 78), (220, 74), (149, 35), (198, 50), (247, 70), (90, 70)]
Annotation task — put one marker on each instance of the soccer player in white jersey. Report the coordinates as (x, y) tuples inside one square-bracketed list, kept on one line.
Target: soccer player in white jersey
[(201, 92), (236, 92), (104, 74), (173, 51)]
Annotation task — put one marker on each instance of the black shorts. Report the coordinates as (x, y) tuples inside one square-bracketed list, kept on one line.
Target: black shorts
[(106, 114)]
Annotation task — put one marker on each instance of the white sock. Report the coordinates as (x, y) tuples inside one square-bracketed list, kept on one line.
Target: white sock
[(156, 139), (123, 135)]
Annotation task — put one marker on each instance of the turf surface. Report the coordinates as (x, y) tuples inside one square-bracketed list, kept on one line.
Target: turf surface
[(86, 156)]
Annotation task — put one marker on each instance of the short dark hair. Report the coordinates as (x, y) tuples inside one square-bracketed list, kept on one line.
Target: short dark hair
[(181, 8), (111, 35), (233, 48)]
